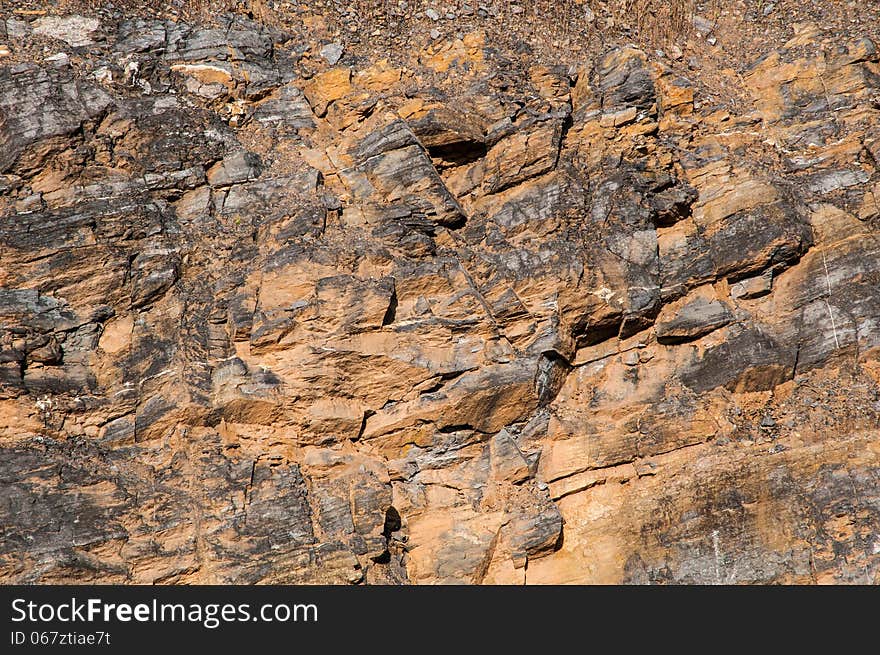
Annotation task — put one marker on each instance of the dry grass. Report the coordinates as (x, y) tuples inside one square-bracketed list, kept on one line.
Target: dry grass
[(656, 20), (188, 9), (649, 21), (546, 30)]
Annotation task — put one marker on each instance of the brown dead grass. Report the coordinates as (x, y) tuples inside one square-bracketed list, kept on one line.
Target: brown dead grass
[(645, 21)]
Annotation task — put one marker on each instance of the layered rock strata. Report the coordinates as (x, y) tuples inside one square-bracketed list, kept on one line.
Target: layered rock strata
[(459, 319)]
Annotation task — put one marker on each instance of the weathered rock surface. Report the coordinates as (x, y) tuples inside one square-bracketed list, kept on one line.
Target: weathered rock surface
[(459, 320)]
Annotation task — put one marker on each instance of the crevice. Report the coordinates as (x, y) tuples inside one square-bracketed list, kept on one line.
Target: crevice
[(483, 568), (626, 462), (590, 469), (391, 312), (384, 558), (367, 414), (675, 340), (552, 371), (460, 153), (448, 429), (393, 522), (479, 296), (442, 381), (677, 448), (594, 335), (248, 487), (564, 128), (580, 489)]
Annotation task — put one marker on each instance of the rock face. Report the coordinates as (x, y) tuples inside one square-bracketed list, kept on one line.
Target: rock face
[(464, 320)]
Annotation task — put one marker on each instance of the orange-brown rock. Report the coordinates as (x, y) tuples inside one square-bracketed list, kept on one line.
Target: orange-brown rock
[(447, 317)]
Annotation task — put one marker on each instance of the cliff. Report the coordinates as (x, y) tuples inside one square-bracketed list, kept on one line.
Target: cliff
[(283, 307)]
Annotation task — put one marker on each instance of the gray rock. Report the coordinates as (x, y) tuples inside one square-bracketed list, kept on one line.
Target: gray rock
[(286, 111), (685, 261), (703, 25), (76, 31), (508, 463), (748, 242), (394, 161), (244, 49), (693, 320), (332, 53), (833, 180), (38, 104), (752, 287), (141, 36), (624, 81), (242, 166), (17, 29), (536, 534), (447, 132), (750, 361)]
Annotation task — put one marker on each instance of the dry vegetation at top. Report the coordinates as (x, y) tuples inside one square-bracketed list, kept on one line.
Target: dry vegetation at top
[(562, 21)]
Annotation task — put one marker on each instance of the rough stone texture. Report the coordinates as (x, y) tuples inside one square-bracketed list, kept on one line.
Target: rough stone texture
[(469, 319)]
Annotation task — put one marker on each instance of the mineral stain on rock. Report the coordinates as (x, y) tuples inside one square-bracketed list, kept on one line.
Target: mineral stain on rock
[(277, 309)]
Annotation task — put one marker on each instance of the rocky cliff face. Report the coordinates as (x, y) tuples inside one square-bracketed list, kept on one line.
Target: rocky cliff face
[(274, 312)]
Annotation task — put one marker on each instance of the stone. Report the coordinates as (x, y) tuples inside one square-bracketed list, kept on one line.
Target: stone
[(625, 81), (240, 167), (332, 53), (327, 88), (235, 57), (43, 103), (17, 29), (399, 170), (58, 60), (75, 31), (753, 360), (834, 180), (752, 287), (691, 320), (508, 463), (285, 111), (702, 25), (521, 156)]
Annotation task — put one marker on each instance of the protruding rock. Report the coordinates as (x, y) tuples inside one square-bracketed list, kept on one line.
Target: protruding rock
[(75, 31), (332, 52), (692, 319)]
